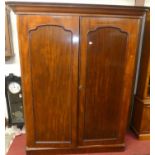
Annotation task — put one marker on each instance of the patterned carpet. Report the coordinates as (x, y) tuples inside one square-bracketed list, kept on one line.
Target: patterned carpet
[(133, 147)]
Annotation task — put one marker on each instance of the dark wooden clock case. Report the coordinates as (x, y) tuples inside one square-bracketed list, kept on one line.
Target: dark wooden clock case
[(78, 70), (14, 102)]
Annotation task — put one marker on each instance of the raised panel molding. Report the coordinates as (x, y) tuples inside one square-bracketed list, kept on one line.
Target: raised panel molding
[(44, 25), (50, 49), (102, 27), (53, 20), (100, 42)]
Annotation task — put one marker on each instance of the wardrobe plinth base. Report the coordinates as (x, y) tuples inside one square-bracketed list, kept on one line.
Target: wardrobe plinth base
[(50, 151)]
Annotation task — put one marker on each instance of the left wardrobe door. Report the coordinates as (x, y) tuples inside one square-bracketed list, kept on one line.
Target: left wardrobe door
[(49, 63)]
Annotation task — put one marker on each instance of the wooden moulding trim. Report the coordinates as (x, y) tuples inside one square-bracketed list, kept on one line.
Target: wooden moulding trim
[(26, 8), (145, 101), (144, 137), (80, 149), (141, 136), (35, 28)]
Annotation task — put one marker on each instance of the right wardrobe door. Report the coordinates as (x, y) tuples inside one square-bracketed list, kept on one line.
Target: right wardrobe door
[(108, 49)]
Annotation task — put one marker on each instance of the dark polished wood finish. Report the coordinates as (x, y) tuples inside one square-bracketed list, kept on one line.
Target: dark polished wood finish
[(141, 111), (49, 68), (107, 62), (78, 65), (91, 9)]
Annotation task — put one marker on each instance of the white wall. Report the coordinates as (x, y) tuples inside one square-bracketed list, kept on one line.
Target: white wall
[(147, 2), (13, 64)]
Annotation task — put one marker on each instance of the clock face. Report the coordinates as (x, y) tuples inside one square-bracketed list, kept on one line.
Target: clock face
[(14, 87)]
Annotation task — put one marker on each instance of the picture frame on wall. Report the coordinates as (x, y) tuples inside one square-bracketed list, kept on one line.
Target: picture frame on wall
[(9, 51)]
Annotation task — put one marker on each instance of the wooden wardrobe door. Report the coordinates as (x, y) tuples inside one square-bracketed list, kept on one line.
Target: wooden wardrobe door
[(108, 49), (49, 60)]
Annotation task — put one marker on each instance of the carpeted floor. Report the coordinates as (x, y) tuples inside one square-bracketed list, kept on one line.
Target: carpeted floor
[(133, 147), (10, 134)]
